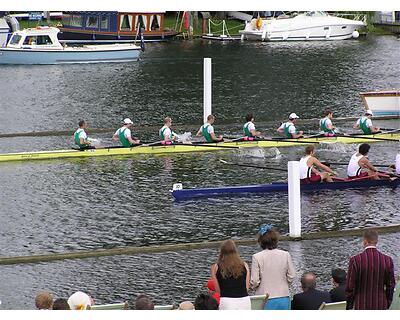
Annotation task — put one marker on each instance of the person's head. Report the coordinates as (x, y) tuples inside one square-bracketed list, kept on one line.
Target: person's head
[(205, 302), (210, 119), (249, 117), (186, 305), (370, 238), (229, 261), (143, 302), (368, 113), (364, 149), (328, 113), (308, 281), (338, 277), (168, 121), (268, 237), (293, 117), (79, 301), (44, 301), (127, 122), (309, 150), (61, 304), (82, 124)]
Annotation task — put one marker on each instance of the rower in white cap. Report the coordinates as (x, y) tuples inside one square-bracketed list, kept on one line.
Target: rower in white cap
[(288, 128), (123, 134), (365, 124)]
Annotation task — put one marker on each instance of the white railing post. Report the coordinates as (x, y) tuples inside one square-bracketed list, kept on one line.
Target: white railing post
[(294, 199), (207, 89)]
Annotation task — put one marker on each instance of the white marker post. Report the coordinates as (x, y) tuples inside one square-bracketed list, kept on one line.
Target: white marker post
[(294, 199), (207, 89)]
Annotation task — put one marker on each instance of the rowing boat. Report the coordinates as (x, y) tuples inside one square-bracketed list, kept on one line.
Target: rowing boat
[(183, 148), (185, 194)]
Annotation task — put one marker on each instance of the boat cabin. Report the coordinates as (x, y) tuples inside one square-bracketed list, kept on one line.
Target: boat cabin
[(35, 38)]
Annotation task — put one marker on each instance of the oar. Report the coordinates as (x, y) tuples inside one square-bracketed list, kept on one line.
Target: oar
[(390, 130), (288, 140), (251, 166), (207, 145), (366, 138), (345, 164), (390, 174)]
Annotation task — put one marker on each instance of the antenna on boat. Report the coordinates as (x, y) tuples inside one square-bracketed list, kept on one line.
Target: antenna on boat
[(207, 89)]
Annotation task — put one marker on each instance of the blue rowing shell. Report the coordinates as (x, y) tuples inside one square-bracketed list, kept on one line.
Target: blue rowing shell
[(185, 194)]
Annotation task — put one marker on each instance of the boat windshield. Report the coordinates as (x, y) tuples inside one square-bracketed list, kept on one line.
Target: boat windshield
[(316, 14), (15, 39), (38, 40)]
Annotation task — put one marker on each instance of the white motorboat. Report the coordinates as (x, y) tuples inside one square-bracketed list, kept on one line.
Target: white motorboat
[(313, 25), (382, 103), (40, 45)]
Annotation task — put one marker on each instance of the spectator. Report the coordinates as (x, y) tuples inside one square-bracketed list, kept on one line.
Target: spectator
[(338, 293), (186, 305), (231, 278), (205, 302), (44, 301), (310, 298), (211, 290), (80, 301), (61, 304), (144, 302), (272, 270), (370, 277)]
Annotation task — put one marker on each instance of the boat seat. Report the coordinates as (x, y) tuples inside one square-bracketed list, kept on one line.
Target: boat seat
[(258, 302)]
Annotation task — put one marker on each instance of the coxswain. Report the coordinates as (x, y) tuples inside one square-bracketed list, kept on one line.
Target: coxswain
[(359, 165), (166, 133), (365, 124), (80, 137), (326, 124), (249, 129), (309, 165), (289, 129), (207, 131), (123, 134)]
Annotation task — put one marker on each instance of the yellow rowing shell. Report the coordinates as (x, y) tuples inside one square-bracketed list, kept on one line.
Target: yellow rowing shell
[(179, 148)]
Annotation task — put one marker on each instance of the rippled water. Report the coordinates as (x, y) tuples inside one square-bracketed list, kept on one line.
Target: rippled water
[(63, 205)]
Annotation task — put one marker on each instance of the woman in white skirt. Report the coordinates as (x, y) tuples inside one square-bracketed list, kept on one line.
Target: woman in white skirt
[(232, 278)]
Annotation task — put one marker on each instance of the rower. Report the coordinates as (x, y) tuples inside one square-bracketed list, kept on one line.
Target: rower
[(358, 162), (365, 124), (249, 128), (207, 131), (396, 166), (308, 168), (166, 134), (80, 137), (123, 134), (288, 128), (326, 124)]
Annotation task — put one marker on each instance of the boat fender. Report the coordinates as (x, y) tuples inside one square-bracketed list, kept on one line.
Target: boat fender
[(259, 23), (355, 34)]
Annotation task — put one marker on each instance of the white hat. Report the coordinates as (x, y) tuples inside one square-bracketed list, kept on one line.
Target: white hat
[(293, 116), (79, 301), (127, 121), (369, 112)]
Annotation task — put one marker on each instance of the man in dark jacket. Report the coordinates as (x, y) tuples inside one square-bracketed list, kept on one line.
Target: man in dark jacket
[(311, 298), (338, 293), (370, 278)]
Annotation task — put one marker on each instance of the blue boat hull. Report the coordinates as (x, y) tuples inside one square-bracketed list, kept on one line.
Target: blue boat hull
[(185, 194)]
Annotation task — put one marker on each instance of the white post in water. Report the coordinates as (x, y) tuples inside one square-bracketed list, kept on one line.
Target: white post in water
[(294, 199), (207, 89)]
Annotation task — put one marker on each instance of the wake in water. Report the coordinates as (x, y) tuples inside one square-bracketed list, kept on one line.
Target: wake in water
[(260, 153), (335, 147)]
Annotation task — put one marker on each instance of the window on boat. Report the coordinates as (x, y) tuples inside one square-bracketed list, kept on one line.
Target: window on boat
[(104, 22), (37, 40), (155, 22), (126, 22), (76, 20), (140, 22), (15, 39), (92, 22)]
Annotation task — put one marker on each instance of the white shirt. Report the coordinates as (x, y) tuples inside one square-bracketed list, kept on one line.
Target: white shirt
[(327, 121), (305, 170), (368, 123), (354, 169), (398, 163), (127, 132), (292, 128), (82, 134), (210, 128), (250, 125)]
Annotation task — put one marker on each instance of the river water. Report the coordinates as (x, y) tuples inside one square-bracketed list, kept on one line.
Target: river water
[(64, 205)]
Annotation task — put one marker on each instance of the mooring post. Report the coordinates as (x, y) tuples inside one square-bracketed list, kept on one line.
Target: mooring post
[(294, 199), (207, 89)]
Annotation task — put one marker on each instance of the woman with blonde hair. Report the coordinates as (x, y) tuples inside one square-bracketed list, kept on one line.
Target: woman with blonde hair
[(232, 278)]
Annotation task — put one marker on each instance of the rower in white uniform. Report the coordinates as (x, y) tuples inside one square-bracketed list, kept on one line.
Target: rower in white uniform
[(396, 166), (166, 133), (309, 165), (365, 124), (124, 134), (289, 129), (249, 129), (359, 165), (207, 131), (81, 138), (326, 124)]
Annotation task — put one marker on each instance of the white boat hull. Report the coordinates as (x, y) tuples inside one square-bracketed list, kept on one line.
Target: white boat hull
[(382, 103)]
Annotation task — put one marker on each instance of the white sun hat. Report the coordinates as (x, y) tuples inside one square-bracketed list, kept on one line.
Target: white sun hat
[(128, 121), (369, 112), (79, 301), (293, 116)]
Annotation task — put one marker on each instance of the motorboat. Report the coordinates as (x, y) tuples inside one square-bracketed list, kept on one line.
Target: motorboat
[(312, 25), (40, 45), (382, 103)]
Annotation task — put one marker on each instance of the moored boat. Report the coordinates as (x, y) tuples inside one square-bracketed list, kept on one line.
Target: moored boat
[(40, 45), (382, 103), (184, 194), (183, 148)]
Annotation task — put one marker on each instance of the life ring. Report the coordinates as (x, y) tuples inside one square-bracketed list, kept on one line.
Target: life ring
[(259, 23)]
